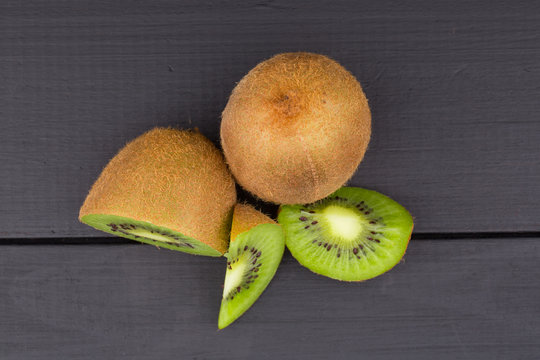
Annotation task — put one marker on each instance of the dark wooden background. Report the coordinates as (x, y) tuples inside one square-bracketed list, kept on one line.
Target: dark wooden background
[(454, 88)]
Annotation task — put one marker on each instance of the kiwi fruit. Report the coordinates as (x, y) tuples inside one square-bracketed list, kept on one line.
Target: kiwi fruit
[(169, 188), (352, 235), (295, 128), (255, 251)]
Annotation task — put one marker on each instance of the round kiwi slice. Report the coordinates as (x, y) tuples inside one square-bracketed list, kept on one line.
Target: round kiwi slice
[(255, 251), (310, 122), (352, 235), (169, 188)]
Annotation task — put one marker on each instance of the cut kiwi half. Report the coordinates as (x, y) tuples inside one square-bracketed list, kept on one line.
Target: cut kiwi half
[(352, 235), (168, 187), (255, 251)]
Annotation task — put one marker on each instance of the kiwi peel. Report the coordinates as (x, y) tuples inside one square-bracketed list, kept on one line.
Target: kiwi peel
[(246, 217), (352, 235), (255, 252), (310, 120), (169, 188)]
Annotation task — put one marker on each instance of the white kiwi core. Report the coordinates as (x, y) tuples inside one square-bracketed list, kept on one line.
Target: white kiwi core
[(344, 222), (150, 235), (234, 276)]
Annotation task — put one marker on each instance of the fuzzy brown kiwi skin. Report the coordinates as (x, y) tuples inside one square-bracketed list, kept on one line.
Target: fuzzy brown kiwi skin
[(172, 178), (311, 124), (246, 217)]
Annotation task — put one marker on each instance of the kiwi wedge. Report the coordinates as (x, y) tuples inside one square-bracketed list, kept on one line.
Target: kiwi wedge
[(352, 235), (255, 251), (169, 188)]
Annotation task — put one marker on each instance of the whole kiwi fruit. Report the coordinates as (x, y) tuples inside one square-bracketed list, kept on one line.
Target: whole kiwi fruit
[(169, 188), (295, 128)]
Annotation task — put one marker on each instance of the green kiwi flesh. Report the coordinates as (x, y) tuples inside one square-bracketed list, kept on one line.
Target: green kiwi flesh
[(148, 233), (252, 260), (352, 235)]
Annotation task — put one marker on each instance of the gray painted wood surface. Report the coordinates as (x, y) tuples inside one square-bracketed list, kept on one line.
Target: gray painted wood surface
[(453, 85), (458, 299)]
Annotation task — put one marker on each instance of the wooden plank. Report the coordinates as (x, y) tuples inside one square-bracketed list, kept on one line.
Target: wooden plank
[(453, 87), (455, 299)]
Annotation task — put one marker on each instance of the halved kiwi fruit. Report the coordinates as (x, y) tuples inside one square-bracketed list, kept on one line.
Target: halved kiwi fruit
[(169, 188), (255, 251), (352, 235), (295, 128)]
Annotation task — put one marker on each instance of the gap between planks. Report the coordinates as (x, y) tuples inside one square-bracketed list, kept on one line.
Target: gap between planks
[(121, 241)]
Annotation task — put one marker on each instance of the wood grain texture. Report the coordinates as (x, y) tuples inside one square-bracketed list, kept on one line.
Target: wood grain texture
[(453, 86), (458, 299)]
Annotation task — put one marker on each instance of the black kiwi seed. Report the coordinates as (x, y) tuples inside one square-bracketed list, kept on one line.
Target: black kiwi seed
[(302, 218)]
